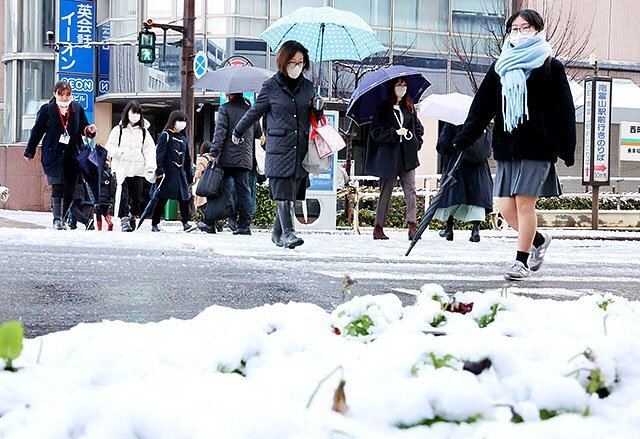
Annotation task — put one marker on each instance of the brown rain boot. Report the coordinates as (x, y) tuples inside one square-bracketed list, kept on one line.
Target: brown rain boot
[(412, 230), (378, 233)]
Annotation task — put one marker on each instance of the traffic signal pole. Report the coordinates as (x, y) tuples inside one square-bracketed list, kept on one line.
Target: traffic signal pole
[(188, 79)]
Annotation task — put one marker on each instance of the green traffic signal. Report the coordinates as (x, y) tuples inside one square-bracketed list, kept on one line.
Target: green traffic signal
[(146, 47)]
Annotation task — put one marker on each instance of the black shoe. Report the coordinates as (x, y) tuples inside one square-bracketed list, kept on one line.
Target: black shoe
[(155, 228), (203, 227), (475, 235), (125, 224), (246, 231), (132, 222), (188, 227)]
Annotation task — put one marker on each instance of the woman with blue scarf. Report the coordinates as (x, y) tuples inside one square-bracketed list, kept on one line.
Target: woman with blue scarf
[(527, 92)]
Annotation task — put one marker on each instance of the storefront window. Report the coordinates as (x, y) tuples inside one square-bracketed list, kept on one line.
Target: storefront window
[(10, 34), (37, 88)]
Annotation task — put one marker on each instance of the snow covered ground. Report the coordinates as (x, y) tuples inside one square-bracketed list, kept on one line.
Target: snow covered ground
[(252, 373)]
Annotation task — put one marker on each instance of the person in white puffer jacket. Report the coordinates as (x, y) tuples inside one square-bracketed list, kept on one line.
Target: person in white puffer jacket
[(133, 159)]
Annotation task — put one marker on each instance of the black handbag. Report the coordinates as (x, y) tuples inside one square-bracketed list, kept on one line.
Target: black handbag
[(220, 207), (210, 183), (481, 149)]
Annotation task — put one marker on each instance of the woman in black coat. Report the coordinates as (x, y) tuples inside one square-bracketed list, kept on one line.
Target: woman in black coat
[(470, 199), (236, 160), (62, 122), (173, 170), (527, 92), (392, 151), (285, 101)]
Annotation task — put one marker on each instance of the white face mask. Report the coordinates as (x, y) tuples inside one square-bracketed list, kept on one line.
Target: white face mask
[(63, 104), (401, 90), (294, 72), (134, 118), (519, 38), (181, 125)]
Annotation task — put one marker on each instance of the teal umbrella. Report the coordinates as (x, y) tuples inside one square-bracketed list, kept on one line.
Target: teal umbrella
[(326, 32)]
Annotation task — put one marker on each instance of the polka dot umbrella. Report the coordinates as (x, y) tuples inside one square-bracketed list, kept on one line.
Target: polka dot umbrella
[(328, 34)]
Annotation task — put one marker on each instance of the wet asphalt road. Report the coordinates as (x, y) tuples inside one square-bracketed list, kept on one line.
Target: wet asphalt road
[(53, 287)]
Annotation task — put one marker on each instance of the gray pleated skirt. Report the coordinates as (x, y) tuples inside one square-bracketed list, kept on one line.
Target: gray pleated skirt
[(535, 178)]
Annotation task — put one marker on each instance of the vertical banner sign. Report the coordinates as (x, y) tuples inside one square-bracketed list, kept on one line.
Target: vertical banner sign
[(104, 58), (630, 141), (76, 64), (597, 124)]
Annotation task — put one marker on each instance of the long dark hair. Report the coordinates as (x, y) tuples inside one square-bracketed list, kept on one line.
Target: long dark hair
[(135, 107), (392, 98), (175, 116)]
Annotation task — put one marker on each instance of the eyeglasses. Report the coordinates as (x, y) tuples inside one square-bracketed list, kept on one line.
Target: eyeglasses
[(295, 64), (525, 29)]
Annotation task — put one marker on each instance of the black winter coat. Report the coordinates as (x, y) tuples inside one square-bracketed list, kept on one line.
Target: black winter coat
[(474, 186), (286, 122), (228, 153), (550, 131), (49, 125), (174, 161), (387, 154)]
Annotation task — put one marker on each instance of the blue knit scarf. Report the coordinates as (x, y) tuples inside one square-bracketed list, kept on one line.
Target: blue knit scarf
[(514, 67)]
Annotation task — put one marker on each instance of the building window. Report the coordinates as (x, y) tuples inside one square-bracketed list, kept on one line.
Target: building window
[(37, 88), (373, 12)]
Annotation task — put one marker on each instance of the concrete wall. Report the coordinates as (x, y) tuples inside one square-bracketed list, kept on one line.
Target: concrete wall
[(28, 189)]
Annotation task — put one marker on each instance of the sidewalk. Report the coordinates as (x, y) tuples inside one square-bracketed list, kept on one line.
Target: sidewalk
[(42, 220)]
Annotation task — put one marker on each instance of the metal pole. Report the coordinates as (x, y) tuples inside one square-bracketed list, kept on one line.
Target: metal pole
[(594, 207), (186, 92)]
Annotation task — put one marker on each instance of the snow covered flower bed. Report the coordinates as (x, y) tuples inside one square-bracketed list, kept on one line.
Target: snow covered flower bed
[(477, 365)]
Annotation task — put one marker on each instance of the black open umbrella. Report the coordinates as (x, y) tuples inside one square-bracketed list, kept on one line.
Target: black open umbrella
[(448, 181), (155, 193)]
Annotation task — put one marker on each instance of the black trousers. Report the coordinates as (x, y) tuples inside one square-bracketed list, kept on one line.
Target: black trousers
[(242, 195), (185, 210), (131, 196)]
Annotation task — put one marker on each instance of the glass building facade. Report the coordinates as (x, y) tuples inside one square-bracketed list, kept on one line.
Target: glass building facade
[(415, 32)]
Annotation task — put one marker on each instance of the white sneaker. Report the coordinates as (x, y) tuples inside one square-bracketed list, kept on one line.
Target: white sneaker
[(517, 272), (536, 257)]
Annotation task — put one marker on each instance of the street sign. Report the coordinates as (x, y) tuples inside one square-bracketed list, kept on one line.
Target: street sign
[(83, 91), (630, 141), (200, 64), (76, 25), (597, 131)]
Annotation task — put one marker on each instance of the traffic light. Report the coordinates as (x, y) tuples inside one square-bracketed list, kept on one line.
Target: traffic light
[(146, 46)]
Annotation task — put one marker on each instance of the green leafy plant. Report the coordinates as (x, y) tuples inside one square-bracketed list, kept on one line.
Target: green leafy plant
[(240, 370), (604, 303), (430, 421), (484, 320), (431, 360), (438, 320), (11, 337), (359, 326), (548, 414)]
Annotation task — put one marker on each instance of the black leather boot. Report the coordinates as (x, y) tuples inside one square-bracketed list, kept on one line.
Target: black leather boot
[(475, 232), (56, 209), (276, 233), (448, 230), (289, 239)]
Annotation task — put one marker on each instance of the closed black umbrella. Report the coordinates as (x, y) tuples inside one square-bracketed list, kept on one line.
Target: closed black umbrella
[(155, 193), (445, 185)]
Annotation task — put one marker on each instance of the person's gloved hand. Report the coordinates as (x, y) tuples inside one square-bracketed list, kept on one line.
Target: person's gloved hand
[(236, 140)]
